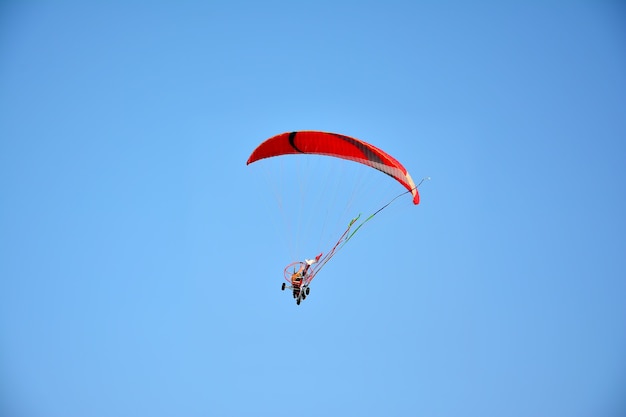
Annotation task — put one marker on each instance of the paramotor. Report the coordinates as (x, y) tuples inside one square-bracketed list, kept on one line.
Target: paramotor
[(299, 274)]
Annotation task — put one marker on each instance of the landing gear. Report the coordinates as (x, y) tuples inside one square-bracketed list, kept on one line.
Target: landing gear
[(299, 293)]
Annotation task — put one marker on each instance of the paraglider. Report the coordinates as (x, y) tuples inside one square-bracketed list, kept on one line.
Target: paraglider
[(299, 274), (338, 146)]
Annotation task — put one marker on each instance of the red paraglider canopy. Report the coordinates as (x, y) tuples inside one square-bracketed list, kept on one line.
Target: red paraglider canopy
[(338, 146)]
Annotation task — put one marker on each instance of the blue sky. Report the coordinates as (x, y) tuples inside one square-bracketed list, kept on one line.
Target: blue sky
[(140, 258)]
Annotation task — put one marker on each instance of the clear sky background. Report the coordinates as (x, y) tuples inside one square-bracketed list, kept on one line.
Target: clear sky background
[(140, 262)]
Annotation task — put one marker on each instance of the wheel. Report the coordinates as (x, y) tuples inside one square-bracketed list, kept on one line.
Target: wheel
[(308, 290), (303, 295), (298, 301), (282, 288)]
